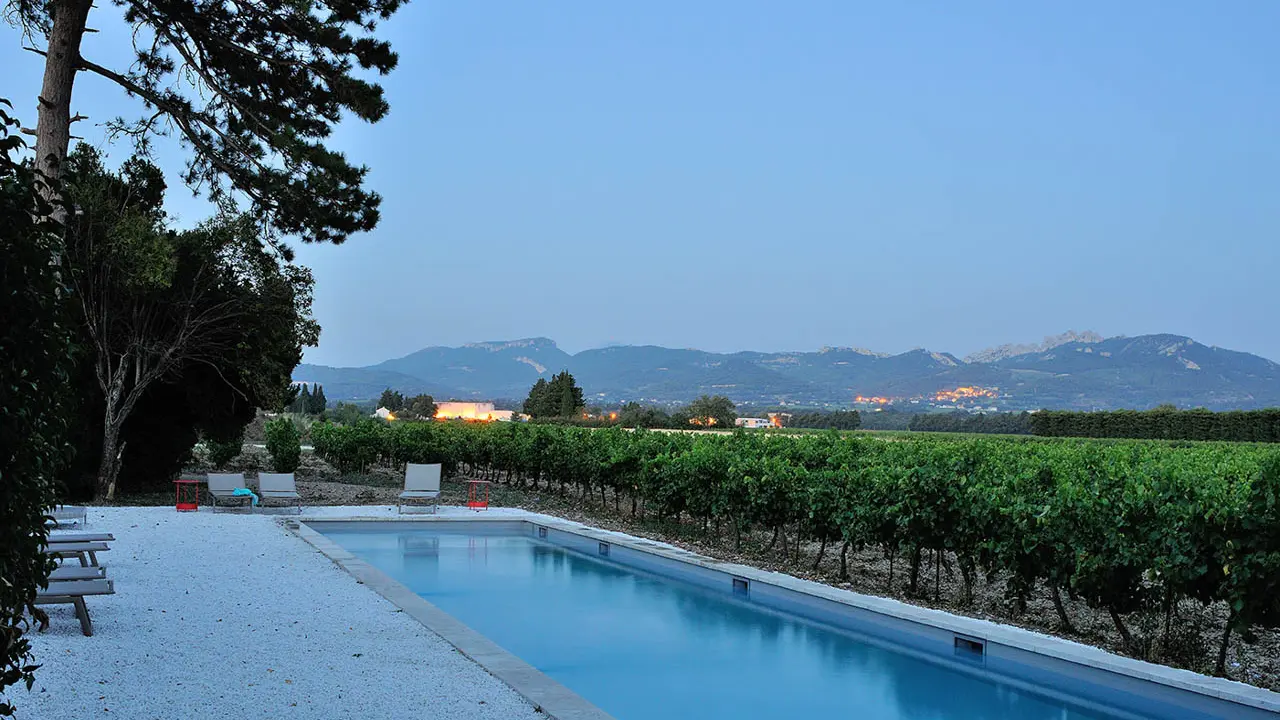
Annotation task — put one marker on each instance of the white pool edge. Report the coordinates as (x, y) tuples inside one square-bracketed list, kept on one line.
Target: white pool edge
[(1036, 644)]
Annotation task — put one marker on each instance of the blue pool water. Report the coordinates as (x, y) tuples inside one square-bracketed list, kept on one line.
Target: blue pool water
[(640, 646)]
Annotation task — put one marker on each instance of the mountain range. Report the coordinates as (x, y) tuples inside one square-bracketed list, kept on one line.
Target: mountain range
[(1070, 371)]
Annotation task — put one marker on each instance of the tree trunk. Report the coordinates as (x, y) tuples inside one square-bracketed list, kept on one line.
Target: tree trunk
[(109, 466), (914, 586), (1220, 669), (774, 541), (967, 573), (937, 574), (822, 550), (1062, 610), (53, 128), (844, 561), (1124, 631)]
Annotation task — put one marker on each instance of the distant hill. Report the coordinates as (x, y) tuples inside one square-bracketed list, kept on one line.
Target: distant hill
[(1070, 371)]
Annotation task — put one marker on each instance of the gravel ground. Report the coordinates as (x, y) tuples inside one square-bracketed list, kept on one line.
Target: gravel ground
[(229, 616)]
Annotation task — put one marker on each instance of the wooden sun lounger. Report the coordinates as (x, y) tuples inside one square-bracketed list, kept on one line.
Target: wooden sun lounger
[(78, 550), (61, 537), (71, 572), (73, 592)]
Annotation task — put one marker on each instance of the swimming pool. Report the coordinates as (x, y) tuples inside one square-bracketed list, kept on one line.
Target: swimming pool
[(641, 638)]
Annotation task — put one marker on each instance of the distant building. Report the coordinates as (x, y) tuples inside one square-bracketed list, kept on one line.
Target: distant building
[(481, 411), (753, 423)]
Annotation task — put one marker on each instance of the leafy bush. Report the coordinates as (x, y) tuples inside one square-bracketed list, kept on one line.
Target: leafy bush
[(223, 450), (35, 361), (285, 445)]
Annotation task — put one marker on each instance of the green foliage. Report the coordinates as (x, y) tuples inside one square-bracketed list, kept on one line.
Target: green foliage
[(635, 415), (255, 311), (254, 90), (710, 411), (962, 422), (317, 403), (301, 402), (284, 443), (559, 398), (223, 450), (345, 413), (392, 400), (35, 360), (1163, 423), (421, 406), (837, 420)]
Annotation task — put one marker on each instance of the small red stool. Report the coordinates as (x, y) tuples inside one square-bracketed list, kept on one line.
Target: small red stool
[(186, 494), (478, 495)]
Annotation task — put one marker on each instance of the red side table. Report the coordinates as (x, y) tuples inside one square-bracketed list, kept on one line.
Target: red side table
[(478, 495), (186, 495)]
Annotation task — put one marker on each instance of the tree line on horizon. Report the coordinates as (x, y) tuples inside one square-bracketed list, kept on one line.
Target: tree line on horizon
[(1162, 423)]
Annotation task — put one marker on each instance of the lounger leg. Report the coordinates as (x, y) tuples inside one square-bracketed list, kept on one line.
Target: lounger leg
[(82, 612), (84, 562), (93, 558)]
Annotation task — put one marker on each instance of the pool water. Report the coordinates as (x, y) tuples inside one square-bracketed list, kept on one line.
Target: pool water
[(642, 646)]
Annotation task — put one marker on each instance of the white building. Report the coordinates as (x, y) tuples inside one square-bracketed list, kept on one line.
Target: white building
[(482, 411), (753, 423)]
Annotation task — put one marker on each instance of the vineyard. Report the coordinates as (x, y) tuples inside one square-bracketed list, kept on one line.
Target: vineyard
[(1139, 531)]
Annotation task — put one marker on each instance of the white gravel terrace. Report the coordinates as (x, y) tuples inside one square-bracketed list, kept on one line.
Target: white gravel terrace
[(229, 615)]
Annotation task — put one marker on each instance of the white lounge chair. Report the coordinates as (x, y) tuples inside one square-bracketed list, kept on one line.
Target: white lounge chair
[(71, 572), (65, 537), (279, 486), (421, 482), (87, 552), (73, 592), (65, 515), (222, 487)]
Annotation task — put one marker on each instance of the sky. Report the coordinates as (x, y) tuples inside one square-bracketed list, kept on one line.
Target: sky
[(743, 175)]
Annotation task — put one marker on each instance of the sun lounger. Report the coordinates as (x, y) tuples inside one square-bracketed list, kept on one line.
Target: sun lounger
[(222, 487), (71, 572), (61, 537), (78, 550), (64, 515), (279, 486), (63, 592), (421, 482)]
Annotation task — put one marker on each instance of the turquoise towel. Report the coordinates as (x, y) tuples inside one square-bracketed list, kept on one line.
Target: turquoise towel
[(241, 492)]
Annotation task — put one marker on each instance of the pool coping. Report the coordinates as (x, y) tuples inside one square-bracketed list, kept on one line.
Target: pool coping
[(541, 686)]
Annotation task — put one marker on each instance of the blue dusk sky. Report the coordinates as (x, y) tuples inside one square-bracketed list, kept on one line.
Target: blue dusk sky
[(783, 176)]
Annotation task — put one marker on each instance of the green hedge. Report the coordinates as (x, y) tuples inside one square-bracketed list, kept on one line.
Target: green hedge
[(1128, 526), (1164, 423)]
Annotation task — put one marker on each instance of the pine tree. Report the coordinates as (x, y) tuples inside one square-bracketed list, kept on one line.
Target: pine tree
[(263, 83)]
